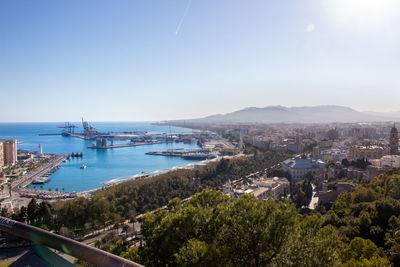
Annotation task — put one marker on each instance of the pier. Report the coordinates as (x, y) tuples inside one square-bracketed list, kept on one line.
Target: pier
[(47, 134), (196, 154), (176, 152), (107, 146)]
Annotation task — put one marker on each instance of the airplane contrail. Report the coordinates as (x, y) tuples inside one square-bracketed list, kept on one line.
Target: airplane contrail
[(183, 17)]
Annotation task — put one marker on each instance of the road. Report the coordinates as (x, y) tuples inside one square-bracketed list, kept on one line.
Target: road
[(314, 199)]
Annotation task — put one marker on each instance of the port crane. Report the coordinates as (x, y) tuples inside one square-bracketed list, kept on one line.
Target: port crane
[(88, 131), (68, 127)]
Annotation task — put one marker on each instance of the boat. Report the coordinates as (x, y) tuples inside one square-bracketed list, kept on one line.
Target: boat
[(41, 180), (83, 167)]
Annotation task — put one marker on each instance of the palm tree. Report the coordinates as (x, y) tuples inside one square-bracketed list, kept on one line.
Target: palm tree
[(49, 189), (41, 187), (62, 189), (34, 187), (56, 189)]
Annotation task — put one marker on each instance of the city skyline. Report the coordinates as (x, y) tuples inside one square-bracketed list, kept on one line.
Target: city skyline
[(153, 60)]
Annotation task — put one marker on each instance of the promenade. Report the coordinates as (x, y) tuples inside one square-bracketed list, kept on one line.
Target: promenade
[(20, 195), (153, 173), (45, 169)]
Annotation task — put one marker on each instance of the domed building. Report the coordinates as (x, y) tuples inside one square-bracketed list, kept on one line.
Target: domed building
[(394, 141)]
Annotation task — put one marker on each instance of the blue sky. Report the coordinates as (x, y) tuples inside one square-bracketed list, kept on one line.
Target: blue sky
[(174, 59)]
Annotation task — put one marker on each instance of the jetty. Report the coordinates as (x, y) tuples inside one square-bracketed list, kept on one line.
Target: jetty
[(195, 154), (46, 134), (108, 146)]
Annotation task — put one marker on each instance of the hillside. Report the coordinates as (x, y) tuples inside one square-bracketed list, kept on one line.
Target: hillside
[(281, 114)]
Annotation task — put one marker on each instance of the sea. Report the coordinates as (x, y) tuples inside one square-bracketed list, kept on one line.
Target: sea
[(102, 164)]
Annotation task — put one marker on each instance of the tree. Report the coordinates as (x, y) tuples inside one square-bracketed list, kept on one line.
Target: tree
[(32, 211), (362, 252), (23, 214), (345, 162), (212, 229), (192, 253), (302, 193)]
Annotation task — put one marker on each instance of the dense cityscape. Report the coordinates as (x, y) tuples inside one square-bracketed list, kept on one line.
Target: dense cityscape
[(309, 167)]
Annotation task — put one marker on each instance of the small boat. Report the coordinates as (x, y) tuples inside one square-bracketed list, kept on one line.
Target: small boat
[(83, 167)]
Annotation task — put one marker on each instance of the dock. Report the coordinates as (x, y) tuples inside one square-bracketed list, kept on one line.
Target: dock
[(195, 154), (174, 152), (127, 145)]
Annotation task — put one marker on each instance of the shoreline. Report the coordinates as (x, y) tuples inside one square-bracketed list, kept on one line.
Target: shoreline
[(52, 195), (162, 171)]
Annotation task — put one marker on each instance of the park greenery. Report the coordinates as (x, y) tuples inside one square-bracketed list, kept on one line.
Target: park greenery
[(361, 229), (194, 224), (125, 201)]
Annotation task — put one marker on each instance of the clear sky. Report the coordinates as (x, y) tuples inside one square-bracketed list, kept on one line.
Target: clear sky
[(142, 60)]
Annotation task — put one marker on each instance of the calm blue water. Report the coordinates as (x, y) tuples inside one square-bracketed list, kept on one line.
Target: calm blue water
[(102, 165)]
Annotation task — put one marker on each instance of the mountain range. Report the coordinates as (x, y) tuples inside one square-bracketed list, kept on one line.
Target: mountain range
[(307, 114)]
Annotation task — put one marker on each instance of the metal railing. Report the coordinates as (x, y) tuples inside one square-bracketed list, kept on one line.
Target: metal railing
[(74, 248)]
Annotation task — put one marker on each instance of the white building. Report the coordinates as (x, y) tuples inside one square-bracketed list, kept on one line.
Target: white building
[(40, 151), (297, 168), (392, 161)]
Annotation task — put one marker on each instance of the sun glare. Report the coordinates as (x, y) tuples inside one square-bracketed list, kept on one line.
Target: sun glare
[(363, 12)]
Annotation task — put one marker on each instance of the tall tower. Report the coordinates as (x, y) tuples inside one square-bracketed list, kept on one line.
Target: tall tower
[(40, 151), (1, 154), (10, 151), (394, 141)]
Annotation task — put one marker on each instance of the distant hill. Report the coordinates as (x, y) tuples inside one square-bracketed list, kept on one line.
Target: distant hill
[(311, 114)]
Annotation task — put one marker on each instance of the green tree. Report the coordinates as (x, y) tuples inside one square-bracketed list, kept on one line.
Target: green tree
[(302, 193), (32, 211), (212, 229), (362, 252)]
